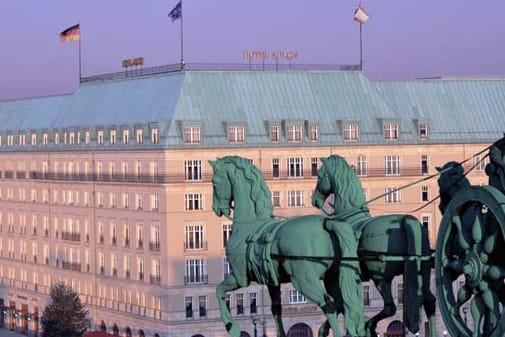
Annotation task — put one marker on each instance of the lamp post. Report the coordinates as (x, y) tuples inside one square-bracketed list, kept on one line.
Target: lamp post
[(254, 322)]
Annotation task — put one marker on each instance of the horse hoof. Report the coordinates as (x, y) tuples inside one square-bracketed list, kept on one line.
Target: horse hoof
[(233, 329)]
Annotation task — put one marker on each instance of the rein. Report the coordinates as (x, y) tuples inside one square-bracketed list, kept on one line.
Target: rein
[(363, 207)]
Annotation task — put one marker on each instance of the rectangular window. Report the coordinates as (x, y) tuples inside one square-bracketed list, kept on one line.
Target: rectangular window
[(274, 133), (313, 166), (296, 297), (112, 137), (202, 306), (240, 303), (295, 199), (100, 138), (425, 193), (276, 198), (391, 131), (154, 136), (479, 163), (140, 136), (362, 166), (226, 267), (236, 133), (253, 306), (193, 170), (313, 132), (45, 139), (192, 135), (399, 293), (425, 221), (294, 132), (195, 271), (276, 168), (195, 238), (227, 228), (295, 167), (366, 295), (392, 196), (424, 164), (126, 137), (351, 132), (194, 201), (392, 165), (34, 139), (423, 131), (188, 304)]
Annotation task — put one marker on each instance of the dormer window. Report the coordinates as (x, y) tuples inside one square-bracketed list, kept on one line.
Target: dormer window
[(191, 135), (294, 132), (351, 131), (313, 132), (423, 131), (56, 138), (391, 130), (274, 132), (112, 137), (10, 140), (236, 133), (71, 136), (87, 137), (22, 139), (126, 137), (45, 139), (154, 136), (140, 136), (34, 139), (100, 137)]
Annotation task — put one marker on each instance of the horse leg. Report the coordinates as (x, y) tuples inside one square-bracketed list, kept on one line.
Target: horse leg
[(310, 286), (275, 297), (332, 287), (384, 288), (428, 298), (229, 284)]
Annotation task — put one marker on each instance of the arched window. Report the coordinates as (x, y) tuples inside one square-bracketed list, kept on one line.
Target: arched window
[(395, 329), (300, 330)]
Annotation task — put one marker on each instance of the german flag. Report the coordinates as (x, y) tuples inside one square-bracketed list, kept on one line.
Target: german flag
[(71, 34)]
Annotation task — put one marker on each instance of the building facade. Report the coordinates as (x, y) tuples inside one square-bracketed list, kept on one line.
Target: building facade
[(108, 189)]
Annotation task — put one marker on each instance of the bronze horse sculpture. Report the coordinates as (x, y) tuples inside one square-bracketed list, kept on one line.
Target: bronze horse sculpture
[(388, 238), (269, 251)]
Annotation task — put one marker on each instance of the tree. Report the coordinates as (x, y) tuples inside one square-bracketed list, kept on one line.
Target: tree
[(65, 316)]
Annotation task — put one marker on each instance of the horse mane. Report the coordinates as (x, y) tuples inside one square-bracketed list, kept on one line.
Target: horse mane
[(347, 188), (454, 178), (260, 193)]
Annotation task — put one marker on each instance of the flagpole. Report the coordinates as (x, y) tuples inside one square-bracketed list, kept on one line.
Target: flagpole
[(80, 38), (361, 46), (182, 41)]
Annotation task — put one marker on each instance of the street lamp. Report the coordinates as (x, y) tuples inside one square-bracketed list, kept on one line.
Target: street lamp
[(254, 322)]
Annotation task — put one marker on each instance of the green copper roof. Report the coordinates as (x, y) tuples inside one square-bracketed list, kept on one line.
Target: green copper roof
[(456, 110)]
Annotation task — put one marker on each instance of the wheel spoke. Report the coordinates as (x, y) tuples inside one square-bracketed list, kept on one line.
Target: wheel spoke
[(463, 243), (477, 229)]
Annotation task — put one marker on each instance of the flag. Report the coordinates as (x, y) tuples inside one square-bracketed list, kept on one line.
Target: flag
[(360, 15), (71, 34), (176, 13)]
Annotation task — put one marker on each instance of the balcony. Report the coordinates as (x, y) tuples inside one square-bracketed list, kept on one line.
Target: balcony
[(71, 266), (70, 236), (155, 279), (154, 246), (197, 245), (196, 279)]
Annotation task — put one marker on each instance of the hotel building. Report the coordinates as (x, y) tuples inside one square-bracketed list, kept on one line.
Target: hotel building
[(108, 189)]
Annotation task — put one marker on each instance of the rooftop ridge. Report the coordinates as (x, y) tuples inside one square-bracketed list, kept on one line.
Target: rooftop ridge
[(178, 67)]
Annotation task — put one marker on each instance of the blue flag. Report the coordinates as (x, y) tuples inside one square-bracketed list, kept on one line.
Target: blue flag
[(176, 13)]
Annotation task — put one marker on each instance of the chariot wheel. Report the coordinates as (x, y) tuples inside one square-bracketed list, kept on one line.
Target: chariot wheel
[(470, 263)]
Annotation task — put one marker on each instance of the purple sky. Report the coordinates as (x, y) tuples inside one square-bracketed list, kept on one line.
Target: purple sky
[(404, 39)]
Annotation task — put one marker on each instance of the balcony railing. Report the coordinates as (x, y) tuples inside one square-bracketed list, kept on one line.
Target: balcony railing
[(154, 246), (71, 266), (156, 279), (70, 236), (192, 246), (196, 279)]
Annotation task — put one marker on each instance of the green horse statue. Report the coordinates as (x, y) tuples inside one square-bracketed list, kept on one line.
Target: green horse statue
[(269, 251), (383, 244)]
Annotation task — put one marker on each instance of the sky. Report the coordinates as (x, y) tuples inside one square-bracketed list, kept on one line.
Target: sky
[(404, 39)]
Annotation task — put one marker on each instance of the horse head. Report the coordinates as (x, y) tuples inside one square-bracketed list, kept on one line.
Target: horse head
[(337, 177), (323, 186), (452, 179), (496, 167), (222, 196)]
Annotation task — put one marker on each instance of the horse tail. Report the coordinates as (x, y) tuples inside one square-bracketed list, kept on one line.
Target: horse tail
[(414, 277)]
